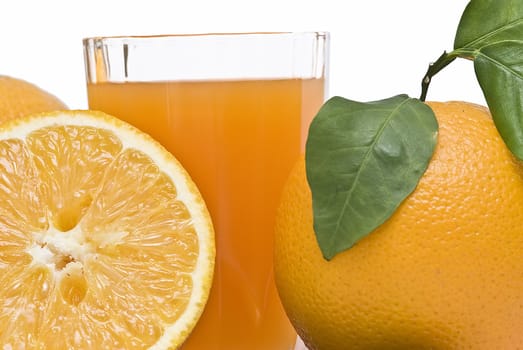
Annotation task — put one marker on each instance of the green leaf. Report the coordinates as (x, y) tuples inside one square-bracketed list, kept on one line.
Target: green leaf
[(486, 22), (362, 161), (491, 33), (499, 70)]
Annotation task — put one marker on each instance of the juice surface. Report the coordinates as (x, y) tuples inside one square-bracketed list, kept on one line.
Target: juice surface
[(238, 140)]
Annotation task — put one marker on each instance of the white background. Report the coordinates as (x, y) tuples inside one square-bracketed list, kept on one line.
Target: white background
[(379, 48)]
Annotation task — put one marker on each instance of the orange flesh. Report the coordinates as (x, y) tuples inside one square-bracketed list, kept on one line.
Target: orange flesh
[(95, 248)]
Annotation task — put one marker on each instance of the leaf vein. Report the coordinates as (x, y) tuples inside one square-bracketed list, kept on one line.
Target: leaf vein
[(363, 164), (500, 65), (493, 33)]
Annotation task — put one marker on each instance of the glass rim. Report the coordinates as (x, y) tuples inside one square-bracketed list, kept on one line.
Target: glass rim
[(205, 56), (205, 34)]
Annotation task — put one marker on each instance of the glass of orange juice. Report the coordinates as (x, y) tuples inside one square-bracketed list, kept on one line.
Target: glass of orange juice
[(234, 109)]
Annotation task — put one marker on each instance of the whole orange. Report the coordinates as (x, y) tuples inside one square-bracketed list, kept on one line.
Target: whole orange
[(445, 271), (19, 98)]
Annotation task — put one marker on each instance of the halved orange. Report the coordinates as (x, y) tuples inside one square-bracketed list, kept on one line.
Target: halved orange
[(105, 241)]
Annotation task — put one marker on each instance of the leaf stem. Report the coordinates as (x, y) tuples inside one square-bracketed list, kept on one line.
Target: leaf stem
[(444, 60)]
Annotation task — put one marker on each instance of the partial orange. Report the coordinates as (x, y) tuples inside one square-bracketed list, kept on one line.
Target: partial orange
[(105, 241), (444, 272), (19, 98)]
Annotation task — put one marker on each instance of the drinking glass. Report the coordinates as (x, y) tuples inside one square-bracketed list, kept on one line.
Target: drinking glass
[(234, 109)]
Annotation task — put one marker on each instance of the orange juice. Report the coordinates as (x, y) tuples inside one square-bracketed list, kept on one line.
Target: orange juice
[(238, 140)]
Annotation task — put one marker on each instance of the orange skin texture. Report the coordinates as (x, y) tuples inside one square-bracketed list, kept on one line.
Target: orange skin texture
[(445, 271), (19, 98)]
